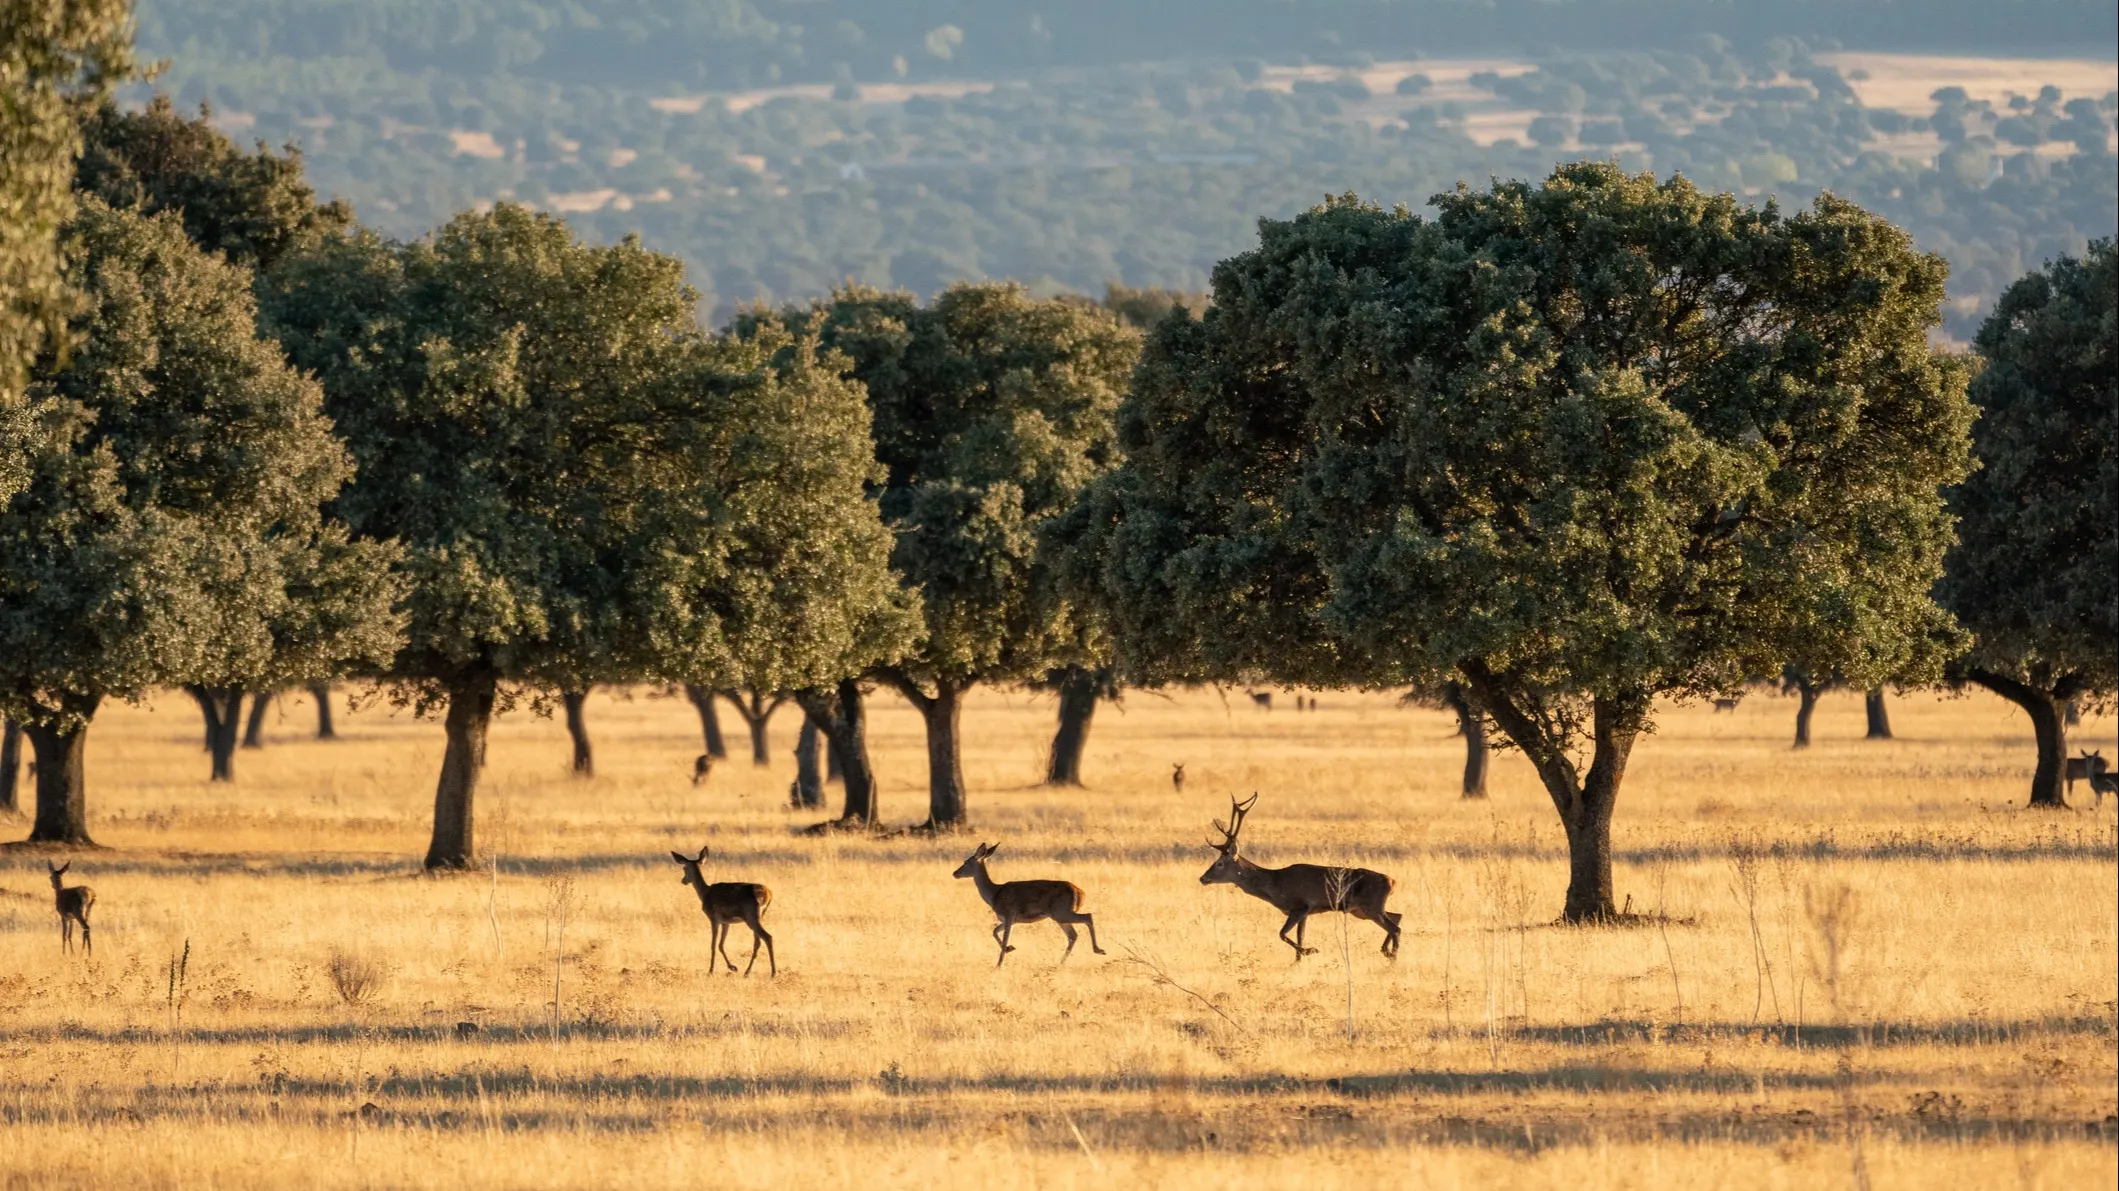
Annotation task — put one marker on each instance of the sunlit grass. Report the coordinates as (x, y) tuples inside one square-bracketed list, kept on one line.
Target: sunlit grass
[(1964, 1037)]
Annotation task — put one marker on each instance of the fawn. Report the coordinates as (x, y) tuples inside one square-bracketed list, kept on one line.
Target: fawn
[(1027, 901), (727, 903), (73, 902), (1300, 890)]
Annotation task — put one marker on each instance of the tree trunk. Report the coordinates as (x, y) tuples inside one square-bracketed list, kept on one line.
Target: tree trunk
[(321, 692), (1472, 727), (709, 719), (2048, 724), (1586, 802), (1807, 692), (839, 712), (757, 715), (1077, 708), (62, 780), (10, 767), (578, 731), (254, 726), (809, 778), (470, 714), (944, 713), (1879, 713), (223, 708), (832, 768)]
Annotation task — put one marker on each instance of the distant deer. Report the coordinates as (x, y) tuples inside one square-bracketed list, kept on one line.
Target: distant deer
[(1722, 705), (73, 903), (727, 903), (701, 767), (2103, 783), (1300, 890), (2085, 768), (1027, 901), (1177, 777), (1263, 700)]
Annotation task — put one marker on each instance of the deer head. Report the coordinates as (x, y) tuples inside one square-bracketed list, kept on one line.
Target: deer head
[(976, 862), (1226, 866), (691, 867)]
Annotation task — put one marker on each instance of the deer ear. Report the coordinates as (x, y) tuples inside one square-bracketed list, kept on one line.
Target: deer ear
[(702, 854), (681, 858)]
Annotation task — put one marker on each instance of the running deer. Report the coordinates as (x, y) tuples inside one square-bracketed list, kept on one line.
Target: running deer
[(1300, 890), (2085, 768), (727, 903), (74, 902), (1177, 777), (1027, 901)]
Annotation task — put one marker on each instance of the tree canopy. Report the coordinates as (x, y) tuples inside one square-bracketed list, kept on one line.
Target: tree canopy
[(992, 410), (2035, 574), (1581, 444), (253, 208), (587, 491), (55, 55), (172, 528)]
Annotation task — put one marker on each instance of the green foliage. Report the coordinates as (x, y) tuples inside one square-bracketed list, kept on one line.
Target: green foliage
[(587, 490), (992, 410), (171, 531), (2035, 575), (1584, 444), (253, 208), (55, 55)]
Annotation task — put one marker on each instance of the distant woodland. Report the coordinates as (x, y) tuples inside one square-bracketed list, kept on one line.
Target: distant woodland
[(1132, 143)]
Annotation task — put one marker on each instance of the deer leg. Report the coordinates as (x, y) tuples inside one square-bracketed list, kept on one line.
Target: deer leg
[(88, 941), (1072, 936), (66, 935), (758, 936), (1089, 920), (1295, 922), (721, 944), (1390, 933), (1007, 928)]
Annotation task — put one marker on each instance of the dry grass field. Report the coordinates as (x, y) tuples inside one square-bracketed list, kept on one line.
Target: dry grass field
[(1880, 973)]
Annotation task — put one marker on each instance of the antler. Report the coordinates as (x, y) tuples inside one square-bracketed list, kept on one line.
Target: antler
[(1229, 830)]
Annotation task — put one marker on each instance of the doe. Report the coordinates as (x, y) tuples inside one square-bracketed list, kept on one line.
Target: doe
[(727, 903), (73, 902), (1300, 890), (1027, 901), (1177, 776), (2085, 768)]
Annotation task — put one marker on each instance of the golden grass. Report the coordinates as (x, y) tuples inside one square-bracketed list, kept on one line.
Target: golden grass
[(1966, 1037)]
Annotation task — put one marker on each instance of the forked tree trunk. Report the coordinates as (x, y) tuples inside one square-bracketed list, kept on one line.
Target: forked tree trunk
[(1472, 727), (1807, 693), (62, 779), (1585, 801), (840, 712), (223, 708), (578, 732), (1879, 713), (808, 792), (2048, 724), (470, 713), (709, 719), (1077, 709), (756, 712), (321, 692), (10, 767), (254, 726), (943, 712)]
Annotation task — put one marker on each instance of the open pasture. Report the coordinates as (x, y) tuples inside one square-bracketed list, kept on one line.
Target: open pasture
[(1878, 972)]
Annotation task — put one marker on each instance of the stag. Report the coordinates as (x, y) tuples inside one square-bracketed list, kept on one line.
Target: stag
[(1300, 890)]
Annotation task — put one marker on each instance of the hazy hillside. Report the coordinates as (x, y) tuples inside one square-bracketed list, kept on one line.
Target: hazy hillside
[(782, 147)]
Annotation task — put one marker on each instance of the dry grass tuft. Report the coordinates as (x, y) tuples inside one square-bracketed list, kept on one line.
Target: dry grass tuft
[(358, 979)]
